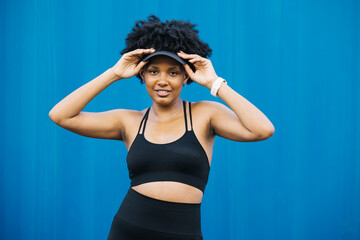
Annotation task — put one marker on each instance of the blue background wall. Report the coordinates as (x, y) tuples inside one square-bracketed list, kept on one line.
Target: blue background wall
[(297, 61)]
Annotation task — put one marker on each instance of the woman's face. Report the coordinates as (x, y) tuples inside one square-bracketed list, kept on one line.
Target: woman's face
[(164, 78)]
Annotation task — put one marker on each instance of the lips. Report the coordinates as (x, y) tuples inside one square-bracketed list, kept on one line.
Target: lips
[(162, 92)]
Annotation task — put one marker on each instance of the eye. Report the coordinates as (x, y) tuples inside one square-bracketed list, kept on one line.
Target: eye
[(173, 73), (152, 71)]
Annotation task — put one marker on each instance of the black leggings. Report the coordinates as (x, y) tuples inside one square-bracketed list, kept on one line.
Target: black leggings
[(141, 217)]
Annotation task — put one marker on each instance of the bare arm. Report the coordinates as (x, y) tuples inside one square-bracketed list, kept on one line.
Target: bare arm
[(258, 125), (243, 122), (72, 104), (68, 112)]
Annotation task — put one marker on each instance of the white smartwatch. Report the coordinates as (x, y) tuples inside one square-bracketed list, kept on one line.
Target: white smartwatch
[(216, 85)]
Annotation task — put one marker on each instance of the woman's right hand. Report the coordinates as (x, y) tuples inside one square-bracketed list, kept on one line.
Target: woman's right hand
[(130, 63)]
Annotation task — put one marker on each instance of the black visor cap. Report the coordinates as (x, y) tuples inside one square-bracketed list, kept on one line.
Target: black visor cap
[(165, 53)]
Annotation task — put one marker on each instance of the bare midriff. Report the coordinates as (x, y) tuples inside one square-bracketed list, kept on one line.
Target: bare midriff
[(170, 191)]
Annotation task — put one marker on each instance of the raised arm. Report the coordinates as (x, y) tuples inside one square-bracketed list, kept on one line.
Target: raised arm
[(243, 121), (68, 112)]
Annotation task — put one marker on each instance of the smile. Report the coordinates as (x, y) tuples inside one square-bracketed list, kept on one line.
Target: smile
[(163, 93)]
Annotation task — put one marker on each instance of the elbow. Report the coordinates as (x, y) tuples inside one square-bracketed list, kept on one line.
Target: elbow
[(268, 133), (263, 135), (53, 117)]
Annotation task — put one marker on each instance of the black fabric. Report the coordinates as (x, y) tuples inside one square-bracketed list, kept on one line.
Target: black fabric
[(183, 160), (146, 218)]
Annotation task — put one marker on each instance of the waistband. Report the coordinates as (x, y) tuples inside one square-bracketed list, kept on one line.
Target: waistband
[(159, 215)]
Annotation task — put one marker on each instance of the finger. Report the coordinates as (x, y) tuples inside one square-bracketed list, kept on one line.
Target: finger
[(197, 60), (186, 56), (139, 51), (189, 71), (148, 50), (188, 53), (140, 65), (144, 49)]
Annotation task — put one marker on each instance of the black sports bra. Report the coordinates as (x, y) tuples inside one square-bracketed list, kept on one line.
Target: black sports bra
[(183, 160)]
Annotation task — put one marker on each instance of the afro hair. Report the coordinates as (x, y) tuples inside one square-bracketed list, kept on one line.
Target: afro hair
[(172, 36)]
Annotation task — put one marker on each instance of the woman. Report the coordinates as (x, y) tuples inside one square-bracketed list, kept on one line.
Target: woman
[(169, 144)]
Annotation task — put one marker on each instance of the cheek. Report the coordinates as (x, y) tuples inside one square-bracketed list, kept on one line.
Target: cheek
[(148, 85), (149, 80), (178, 85)]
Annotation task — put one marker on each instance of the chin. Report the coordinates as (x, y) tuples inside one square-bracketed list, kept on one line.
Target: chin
[(164, 101)]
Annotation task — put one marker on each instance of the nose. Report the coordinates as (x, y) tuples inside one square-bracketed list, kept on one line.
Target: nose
[(162, 81)]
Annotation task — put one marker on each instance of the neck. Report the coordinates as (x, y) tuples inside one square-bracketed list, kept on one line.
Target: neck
[(164, 113)]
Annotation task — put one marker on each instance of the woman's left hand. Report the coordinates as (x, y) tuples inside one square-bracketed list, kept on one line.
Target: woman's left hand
[(205, 73)]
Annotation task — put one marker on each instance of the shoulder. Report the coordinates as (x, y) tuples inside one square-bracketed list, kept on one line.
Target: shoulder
[(211, 111), (206, 106), (206, 103), (204, 111), (129, 121)]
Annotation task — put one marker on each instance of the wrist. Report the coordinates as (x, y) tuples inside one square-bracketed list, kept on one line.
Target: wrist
[(111, 75), (216, 86), (115, 77), (211, 82)]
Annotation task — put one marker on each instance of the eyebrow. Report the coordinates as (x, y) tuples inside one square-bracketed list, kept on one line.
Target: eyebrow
[(177, 67)]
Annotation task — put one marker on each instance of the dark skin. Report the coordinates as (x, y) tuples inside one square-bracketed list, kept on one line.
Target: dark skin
[(164, 78)]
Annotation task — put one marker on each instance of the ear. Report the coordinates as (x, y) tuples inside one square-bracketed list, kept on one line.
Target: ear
[(186, 78), (141, 73)]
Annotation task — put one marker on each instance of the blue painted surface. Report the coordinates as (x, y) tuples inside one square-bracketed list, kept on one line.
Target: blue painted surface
[(297, 61)]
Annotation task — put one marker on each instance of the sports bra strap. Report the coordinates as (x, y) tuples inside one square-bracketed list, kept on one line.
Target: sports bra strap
[(190, 116), (184, 107), (146, 115), (144, 120)]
